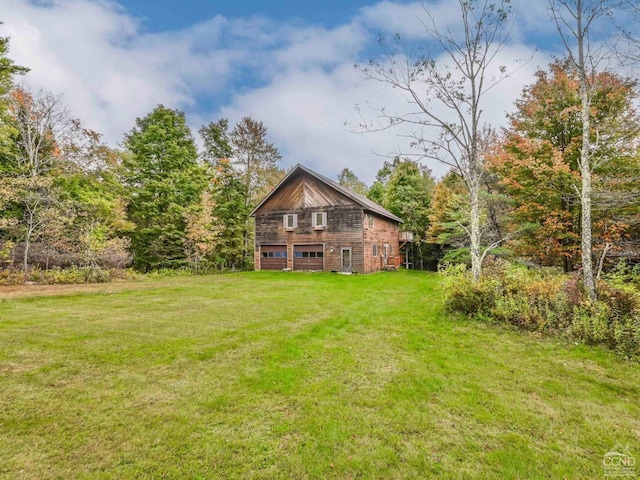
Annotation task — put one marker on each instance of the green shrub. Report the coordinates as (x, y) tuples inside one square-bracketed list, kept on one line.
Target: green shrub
[(547, 301), (590, 323), (58, 276), (623, 274), (464, 296), (73, 275), (626, 336), (11, 277), (623, 300)]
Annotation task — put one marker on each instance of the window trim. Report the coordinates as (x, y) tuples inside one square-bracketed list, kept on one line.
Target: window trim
[(314, 220), (285, 221)]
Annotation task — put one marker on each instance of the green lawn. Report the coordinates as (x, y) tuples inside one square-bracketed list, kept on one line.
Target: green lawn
[(297, 376)]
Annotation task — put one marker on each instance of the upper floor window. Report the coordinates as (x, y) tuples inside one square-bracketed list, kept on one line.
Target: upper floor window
[(290, 221), (370, 220), (319, 219)]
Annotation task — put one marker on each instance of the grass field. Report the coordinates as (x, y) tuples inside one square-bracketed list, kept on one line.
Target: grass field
[(295, 376)]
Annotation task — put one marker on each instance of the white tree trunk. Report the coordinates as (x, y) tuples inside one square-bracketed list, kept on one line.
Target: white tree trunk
[(585, 203), (585, 157), (27, 242), (474, 231)]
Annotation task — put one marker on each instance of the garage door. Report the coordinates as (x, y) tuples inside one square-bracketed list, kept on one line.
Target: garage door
[(273, 257), (308, 257)]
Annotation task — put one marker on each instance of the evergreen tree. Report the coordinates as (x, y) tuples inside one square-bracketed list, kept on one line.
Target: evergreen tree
[(408, 195), (8, 69)]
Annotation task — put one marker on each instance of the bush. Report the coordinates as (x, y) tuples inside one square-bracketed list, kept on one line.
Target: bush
[(464, 296), (57, 276), (590, 323), (73, 275), (546, 301), (623, 274), (10, 276)]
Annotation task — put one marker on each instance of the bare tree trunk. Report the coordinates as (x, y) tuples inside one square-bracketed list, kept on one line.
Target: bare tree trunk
[(25, 255), (585, 203), (474, 231), (607, 247), (27, 244), (575, 22), (585, 161), (432, 86), (245, 247)]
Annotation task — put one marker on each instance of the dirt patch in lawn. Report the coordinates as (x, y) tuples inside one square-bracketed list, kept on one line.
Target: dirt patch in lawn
[(23, 291)]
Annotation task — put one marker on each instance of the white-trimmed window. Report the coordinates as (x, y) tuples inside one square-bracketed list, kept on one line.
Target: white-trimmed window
[(370, 219), (375, 249), (319, 219), (385, 250), (290, 221)]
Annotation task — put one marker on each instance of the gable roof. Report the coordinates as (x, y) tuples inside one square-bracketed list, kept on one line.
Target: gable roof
[(361, 200)]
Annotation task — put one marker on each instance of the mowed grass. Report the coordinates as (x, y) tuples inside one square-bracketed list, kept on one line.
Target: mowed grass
[(297, 376)]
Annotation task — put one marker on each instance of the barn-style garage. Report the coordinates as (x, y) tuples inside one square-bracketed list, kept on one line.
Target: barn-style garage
[(273, 257), (308, 257), (325, 226)]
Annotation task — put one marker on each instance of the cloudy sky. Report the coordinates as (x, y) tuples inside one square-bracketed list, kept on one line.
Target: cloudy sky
[(289, 63)]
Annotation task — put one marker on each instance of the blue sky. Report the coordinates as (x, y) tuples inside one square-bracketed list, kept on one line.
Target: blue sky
[(288, 64), (161, 15)]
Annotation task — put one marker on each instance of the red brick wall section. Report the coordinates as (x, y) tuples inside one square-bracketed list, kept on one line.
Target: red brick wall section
[(383, 231)]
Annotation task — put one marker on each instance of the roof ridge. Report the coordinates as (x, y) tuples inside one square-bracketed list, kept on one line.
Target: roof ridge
[(363, 201)]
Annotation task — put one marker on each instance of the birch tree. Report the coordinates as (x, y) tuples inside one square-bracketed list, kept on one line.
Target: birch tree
[(42, 125), (446, 87), (577, 22)]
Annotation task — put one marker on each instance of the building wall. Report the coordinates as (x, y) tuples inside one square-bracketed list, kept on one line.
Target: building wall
[(343, 230), (383, 231)]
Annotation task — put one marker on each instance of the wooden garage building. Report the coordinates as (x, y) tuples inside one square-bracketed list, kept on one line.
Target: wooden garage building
[(309, 222)]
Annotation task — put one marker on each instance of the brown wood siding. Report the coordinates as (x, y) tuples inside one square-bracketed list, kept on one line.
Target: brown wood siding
[(343, 230), (383, 231), (304, 191)]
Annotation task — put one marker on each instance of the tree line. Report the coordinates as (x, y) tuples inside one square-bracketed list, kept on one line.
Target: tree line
[(573, 138), (68, 199)]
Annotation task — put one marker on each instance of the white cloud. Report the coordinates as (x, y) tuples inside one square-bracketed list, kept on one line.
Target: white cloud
[(302, 83), (108, 70), (410, 19)]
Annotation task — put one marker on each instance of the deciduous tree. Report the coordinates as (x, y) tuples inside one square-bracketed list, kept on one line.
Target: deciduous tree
[(42, 127), (453, 77), (348, 179), (539, 162), (164, 180), (257, 162), (577, 24)]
